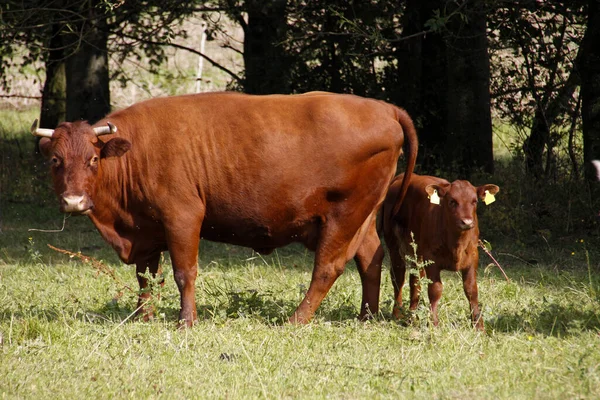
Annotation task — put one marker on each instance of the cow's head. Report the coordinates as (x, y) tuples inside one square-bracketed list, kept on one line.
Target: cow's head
[(459, 201), (76, 151)]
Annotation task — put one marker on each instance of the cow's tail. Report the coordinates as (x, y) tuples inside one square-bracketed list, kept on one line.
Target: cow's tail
[(411, 146)]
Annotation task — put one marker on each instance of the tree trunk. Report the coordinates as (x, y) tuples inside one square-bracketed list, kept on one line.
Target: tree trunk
[(422, 81), (266, 65), (88, 93), (54, 93), (590, 89), (469, 130), (53, 110)]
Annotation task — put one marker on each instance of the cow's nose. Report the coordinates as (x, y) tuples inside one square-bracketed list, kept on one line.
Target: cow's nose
[(73, 204)]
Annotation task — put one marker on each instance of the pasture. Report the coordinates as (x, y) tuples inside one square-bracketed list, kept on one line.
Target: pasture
[(66, 329)]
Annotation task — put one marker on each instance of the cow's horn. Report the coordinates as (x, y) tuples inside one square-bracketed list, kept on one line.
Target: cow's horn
[(105, 130), (35, 131)]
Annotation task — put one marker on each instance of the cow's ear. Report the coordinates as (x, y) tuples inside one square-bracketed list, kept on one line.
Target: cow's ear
[(45, 145), (441, 189), (115, 148), (491, 189)]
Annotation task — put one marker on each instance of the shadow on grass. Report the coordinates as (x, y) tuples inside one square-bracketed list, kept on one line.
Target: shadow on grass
[(549, 320), (262, 307)]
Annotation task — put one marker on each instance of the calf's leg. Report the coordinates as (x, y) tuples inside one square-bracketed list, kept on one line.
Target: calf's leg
[(398, 274), (469, 277), (434, 292)]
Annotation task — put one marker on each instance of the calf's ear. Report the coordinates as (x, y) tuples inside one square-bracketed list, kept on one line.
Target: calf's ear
[(491, 189), (115, 148), (441, 189)]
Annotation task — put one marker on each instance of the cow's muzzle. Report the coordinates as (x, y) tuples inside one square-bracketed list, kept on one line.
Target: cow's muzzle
[(76, 204), (466, 224)]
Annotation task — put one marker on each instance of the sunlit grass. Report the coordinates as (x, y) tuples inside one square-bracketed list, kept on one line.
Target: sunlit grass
[(66, 330)]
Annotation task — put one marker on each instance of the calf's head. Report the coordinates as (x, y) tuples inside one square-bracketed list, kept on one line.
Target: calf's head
[(459, 201), (76, 151)]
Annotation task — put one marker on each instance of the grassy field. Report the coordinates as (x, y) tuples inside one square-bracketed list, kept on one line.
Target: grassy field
[(66, 331)]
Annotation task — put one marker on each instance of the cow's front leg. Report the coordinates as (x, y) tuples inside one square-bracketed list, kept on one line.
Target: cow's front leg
[(147, 264), (469, 277), (183, 238)]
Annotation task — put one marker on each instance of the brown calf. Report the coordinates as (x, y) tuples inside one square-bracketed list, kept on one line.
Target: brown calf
[(443, 218)]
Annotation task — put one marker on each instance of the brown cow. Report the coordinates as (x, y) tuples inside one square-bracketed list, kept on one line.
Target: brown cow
[(446, 233), (255, 171)]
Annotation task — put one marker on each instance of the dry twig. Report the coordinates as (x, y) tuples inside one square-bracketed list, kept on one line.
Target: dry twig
[(98, 265)]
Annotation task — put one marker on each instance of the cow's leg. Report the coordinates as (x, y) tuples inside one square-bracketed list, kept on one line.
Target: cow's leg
[(434, 292), (415, 289), (183, 238), (469, 277), (369, 257), (334, 250), (398, 274), (150, 264)]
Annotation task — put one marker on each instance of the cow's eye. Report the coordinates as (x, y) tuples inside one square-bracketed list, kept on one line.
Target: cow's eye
[(56, 161), (94, 160), (453, 203)]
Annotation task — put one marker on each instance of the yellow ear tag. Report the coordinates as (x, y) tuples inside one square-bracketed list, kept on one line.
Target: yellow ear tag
[(434, 198), (489, 198)]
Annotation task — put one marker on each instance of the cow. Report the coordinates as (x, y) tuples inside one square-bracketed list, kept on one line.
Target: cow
[(442, 216), (255, 171)]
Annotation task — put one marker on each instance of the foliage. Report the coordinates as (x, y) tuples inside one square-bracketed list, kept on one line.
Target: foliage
[(416, 267), (535, 79)]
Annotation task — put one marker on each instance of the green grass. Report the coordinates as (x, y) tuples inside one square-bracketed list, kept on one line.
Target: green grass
[(66, 331)]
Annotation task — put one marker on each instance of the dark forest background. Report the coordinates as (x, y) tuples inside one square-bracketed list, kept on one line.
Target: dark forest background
[(464, 70)]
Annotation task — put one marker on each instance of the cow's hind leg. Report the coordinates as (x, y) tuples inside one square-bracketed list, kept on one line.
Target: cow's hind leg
[(369, 257), (144, 266), (335, 248)]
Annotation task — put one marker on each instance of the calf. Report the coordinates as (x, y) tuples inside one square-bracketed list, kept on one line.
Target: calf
[(443, 218)]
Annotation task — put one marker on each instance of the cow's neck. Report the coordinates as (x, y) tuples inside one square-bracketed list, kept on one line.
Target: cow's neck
[(109, 216)]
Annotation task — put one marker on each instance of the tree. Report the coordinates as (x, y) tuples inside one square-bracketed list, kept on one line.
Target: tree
[(54, 107), (84, 34), (590, 88), (442, 72), (469, 129), (265, 61), (535, 53)]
